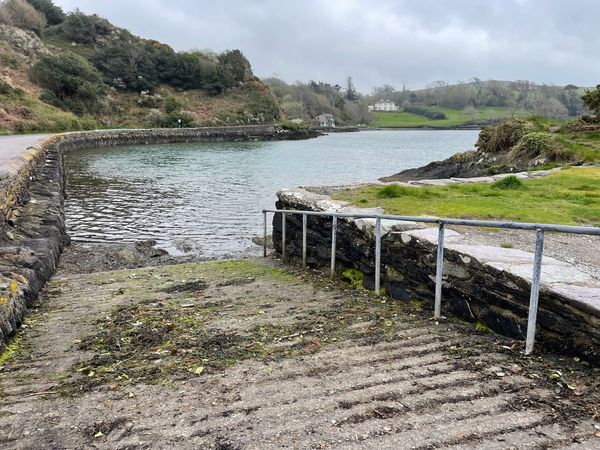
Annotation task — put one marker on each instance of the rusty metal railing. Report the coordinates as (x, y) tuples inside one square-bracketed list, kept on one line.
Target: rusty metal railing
[(540, 229)]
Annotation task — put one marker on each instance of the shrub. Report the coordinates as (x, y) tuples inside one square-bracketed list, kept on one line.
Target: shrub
[(172, 105), (180, 119), (70, 82), (294, 126), (425, 112), (20, 14), (5, 88), (502, 136), (534, 144), (83, 29), (591, 99), (396, 191), (509, 182), (146, 100), (128, 64), (54, 14), (155, 118)]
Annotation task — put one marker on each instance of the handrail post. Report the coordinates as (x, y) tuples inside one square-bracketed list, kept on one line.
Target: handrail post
[(264, 234), (283, 237), (535, 291), (439, 271), (377, 255), (333, 246), (304, 232)]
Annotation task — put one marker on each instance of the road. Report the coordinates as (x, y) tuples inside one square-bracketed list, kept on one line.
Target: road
[(13, 147)]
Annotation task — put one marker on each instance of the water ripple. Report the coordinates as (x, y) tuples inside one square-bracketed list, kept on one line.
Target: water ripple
[(210, 194)]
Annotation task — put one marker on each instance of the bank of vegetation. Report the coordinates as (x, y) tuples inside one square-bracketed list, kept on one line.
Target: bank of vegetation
[(306, 101), (63, 71), (568, 196), (475, 103)]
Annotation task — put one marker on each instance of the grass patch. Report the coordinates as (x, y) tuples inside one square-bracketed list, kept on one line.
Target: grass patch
[(510, 182), (355, 277), (570, 196), (454, 117), (396, 191)]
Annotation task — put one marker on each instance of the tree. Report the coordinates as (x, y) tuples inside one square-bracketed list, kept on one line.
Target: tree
[(20, 14), (571, 99), (233, 68), (550, 107), (70, 81), (128, 65), (591, 99), (350, 90), (83, 29), (54, 14)]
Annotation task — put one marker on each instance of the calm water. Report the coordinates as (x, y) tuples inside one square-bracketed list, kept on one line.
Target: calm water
[(207, 197)]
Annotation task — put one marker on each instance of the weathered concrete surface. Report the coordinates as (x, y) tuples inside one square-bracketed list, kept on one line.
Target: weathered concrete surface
[(482, 283), (316, 365)]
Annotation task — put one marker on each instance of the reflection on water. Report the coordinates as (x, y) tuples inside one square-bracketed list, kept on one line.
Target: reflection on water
[(209, 195)]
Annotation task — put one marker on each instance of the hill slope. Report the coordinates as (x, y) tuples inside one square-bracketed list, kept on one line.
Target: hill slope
[(80, 72)]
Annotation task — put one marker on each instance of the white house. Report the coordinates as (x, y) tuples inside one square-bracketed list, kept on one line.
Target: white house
[(384, 105)]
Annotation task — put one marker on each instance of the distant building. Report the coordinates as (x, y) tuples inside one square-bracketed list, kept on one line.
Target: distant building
[(325, 120), (384, 105)]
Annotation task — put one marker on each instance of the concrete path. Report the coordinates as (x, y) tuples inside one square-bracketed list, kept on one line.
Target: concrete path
[(13, 148), (243, 354)]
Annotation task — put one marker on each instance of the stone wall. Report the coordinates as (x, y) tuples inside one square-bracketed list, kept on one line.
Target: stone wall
[(482, 284), (32, 238), (32, 222), (89, 139)]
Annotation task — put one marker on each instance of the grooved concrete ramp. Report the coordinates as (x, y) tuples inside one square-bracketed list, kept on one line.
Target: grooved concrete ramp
[(243, 354)]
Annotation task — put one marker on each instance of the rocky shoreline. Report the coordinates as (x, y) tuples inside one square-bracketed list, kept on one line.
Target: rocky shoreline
[(32, 221)]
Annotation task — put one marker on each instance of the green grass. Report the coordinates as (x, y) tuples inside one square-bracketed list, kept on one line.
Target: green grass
[(454, 118), (571, 196)]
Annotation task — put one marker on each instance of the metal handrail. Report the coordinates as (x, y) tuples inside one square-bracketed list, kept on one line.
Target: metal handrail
[(539, 228)]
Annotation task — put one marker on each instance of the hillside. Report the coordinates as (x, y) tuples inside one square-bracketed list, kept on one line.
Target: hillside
[(62, 72), (454, 118), (477, 102)]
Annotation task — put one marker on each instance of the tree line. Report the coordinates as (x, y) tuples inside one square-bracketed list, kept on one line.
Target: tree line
[(308, 100), (540, 99)]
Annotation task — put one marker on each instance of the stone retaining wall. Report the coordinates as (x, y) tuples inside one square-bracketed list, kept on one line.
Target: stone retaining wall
[(482, 284), (32, 222)]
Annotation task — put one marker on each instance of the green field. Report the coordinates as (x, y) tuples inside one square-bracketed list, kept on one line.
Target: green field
[(454, 118), (571, 196)]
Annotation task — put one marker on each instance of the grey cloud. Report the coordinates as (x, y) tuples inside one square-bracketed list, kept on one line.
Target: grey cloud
[(387, 41)]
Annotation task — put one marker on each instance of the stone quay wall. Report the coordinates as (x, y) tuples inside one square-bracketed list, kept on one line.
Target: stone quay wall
[(481, 284), (32, 219)]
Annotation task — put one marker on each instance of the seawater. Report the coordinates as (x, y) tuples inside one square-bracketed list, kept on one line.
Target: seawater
[(207, 197)]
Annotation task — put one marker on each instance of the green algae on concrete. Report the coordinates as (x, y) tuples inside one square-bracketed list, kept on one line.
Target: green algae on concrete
[(189, 320)]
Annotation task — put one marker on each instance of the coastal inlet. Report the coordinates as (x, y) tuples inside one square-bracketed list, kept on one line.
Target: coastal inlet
[(206, 198)]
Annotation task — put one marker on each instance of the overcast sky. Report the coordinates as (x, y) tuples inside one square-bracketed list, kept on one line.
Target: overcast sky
[(379, 42)]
